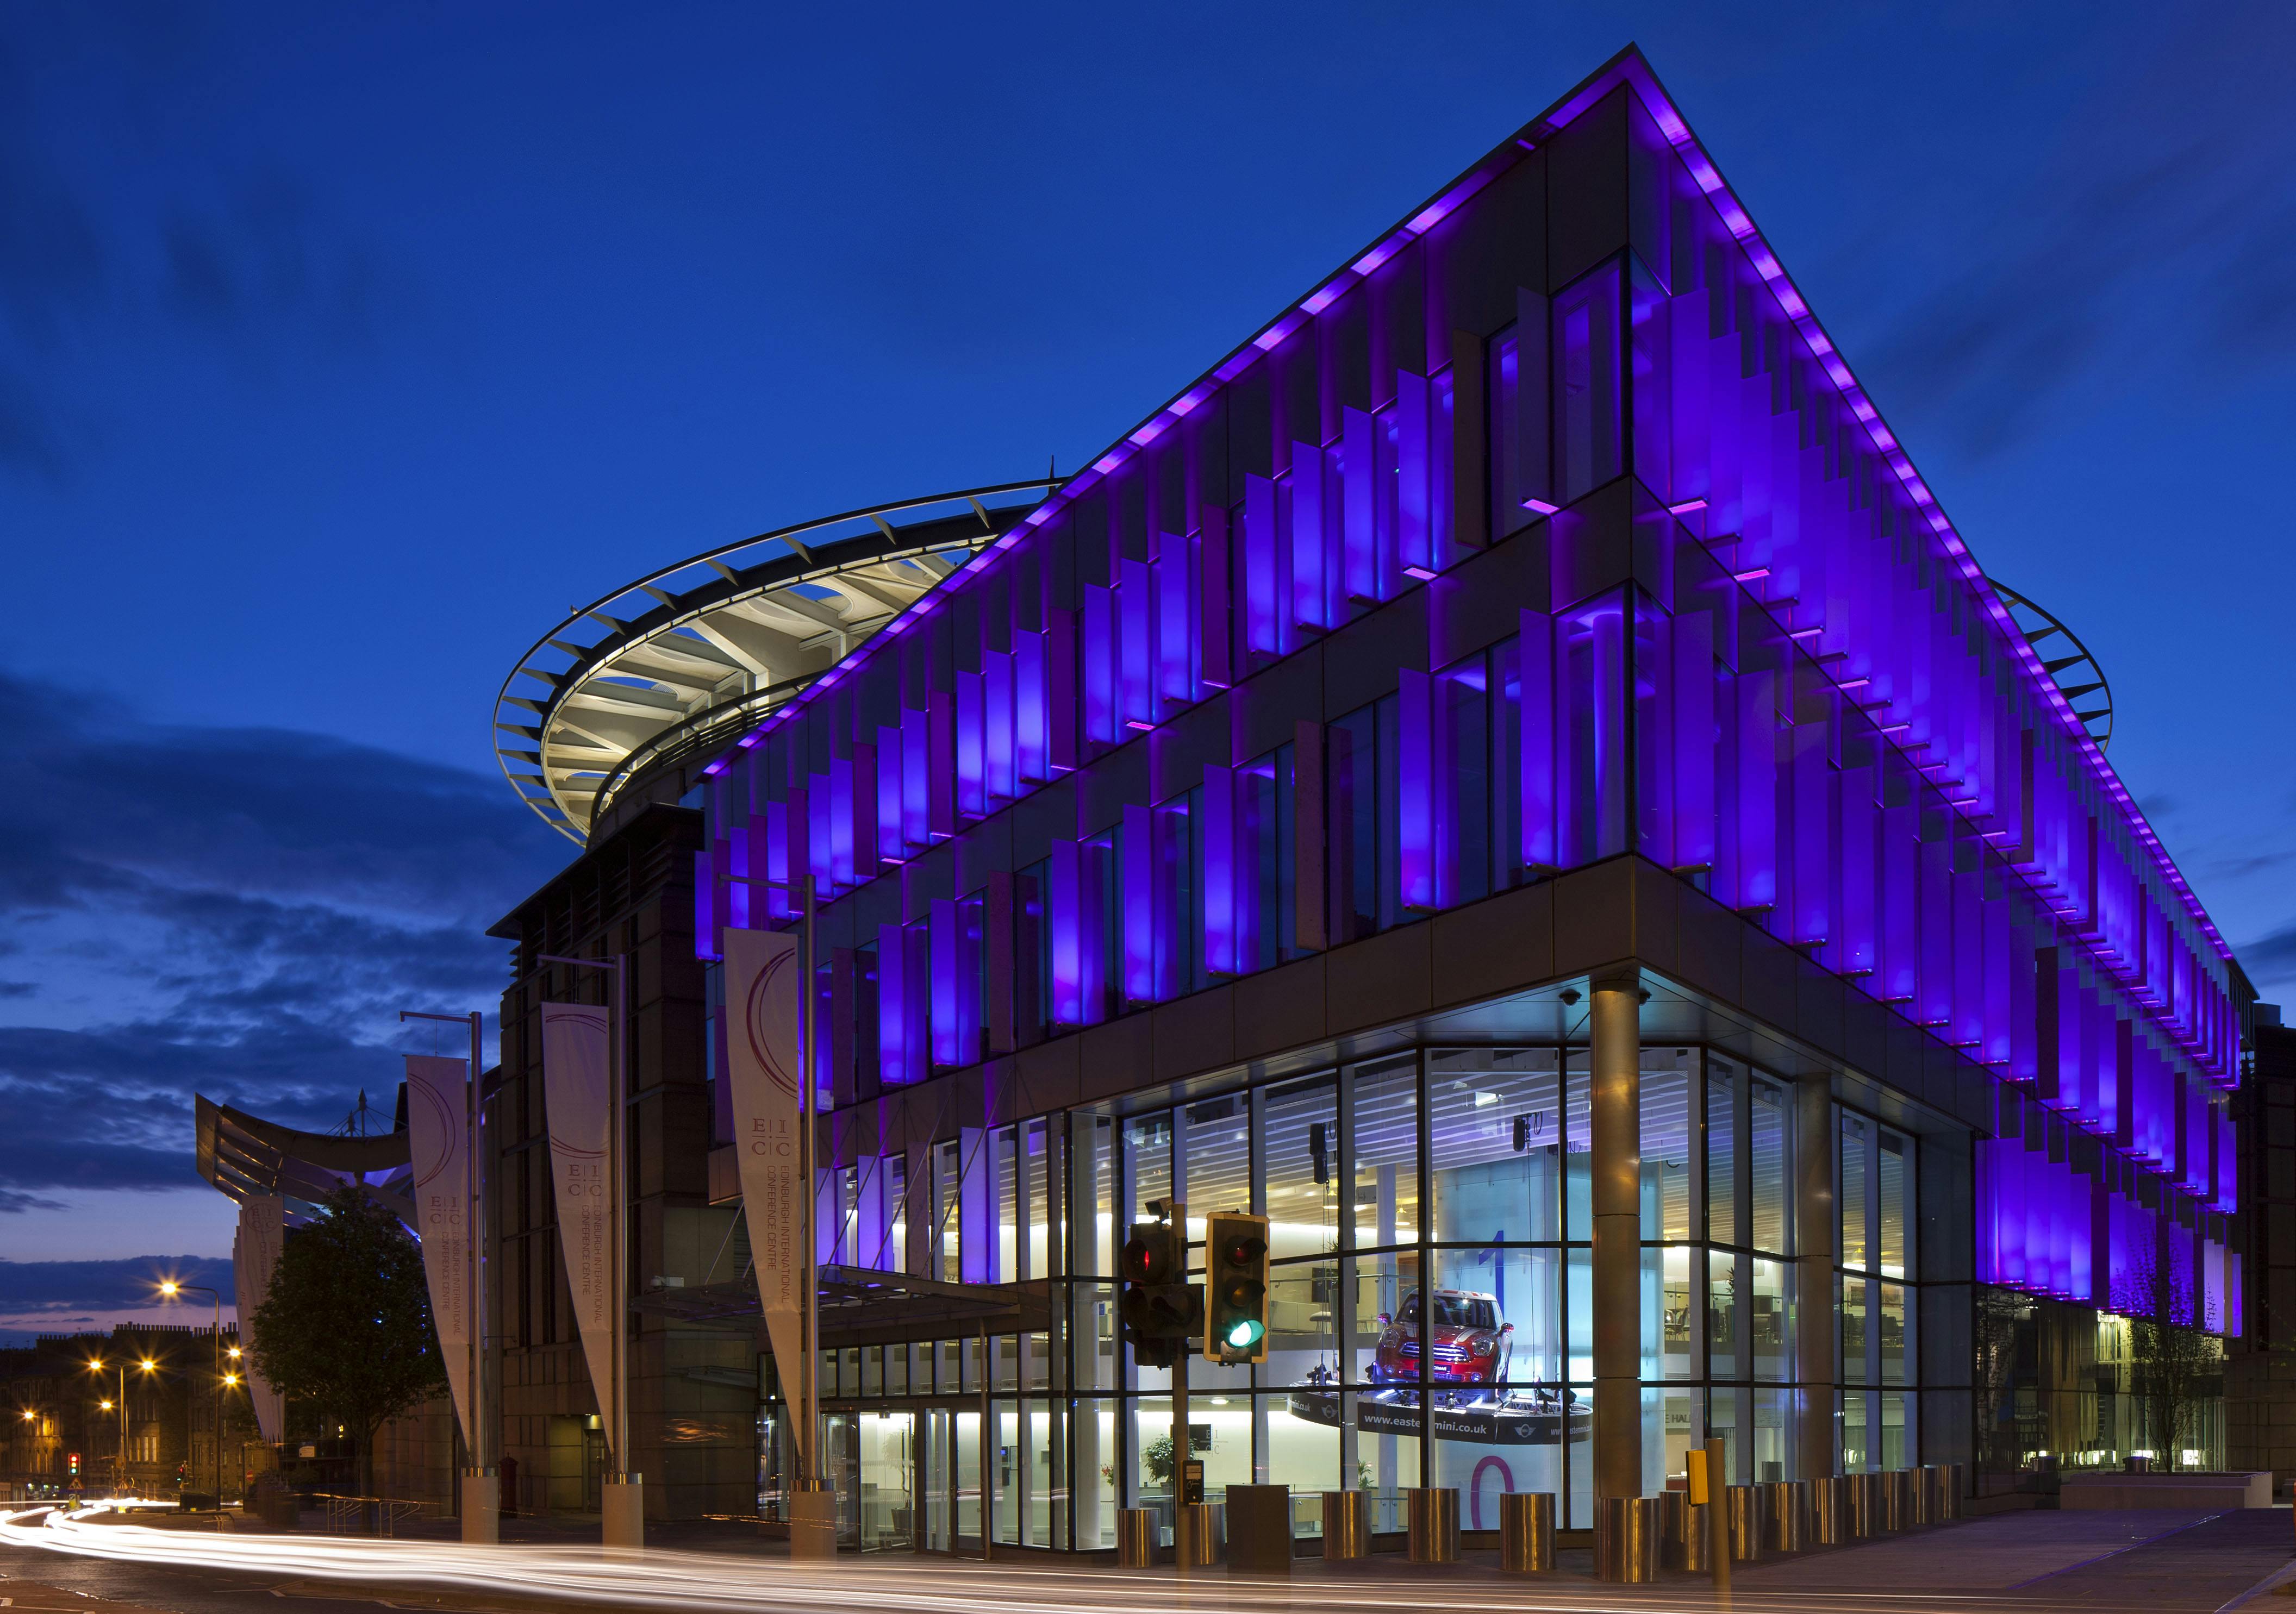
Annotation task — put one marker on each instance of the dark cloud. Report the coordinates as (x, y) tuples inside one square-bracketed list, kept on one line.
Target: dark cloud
[(248, 908), (105, 1286), (2271, 958)]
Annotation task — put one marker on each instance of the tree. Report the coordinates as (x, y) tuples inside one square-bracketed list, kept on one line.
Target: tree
[(346, 1327), (2170, 1362)]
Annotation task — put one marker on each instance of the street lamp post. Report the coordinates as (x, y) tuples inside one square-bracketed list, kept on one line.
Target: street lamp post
[(623, 1524), (481, 1490), (119, 1468), (171, 1289)]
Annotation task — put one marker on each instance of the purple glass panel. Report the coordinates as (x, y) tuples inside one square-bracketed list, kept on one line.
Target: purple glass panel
[(999, 736), (1066, 898), (1136, 599), (1176, 621), (1136, 912), (1415, 728), (1263, 614), (1310, 590), (1757, 794), (706, 936), (1222, 928), (1535, 673), (1694, 737), (1358, 458), (1413, 507), (1099, 648), (1031, 714), (971, 749)]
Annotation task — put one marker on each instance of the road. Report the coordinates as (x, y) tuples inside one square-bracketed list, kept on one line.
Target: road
[(2036, 1564)]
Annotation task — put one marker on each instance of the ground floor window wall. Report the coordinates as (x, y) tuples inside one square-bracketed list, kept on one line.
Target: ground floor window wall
[(1430, 1303)]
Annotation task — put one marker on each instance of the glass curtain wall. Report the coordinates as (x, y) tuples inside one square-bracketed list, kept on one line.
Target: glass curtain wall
[(1430, 1298)]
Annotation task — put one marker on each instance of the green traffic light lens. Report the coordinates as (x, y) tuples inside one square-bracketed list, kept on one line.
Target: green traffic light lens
[(1244, 1333)]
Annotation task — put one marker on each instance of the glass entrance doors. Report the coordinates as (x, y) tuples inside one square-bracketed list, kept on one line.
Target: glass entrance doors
[(949, 1479)]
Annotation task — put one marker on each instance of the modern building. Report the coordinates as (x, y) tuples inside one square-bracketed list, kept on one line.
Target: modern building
[(1511, 774)]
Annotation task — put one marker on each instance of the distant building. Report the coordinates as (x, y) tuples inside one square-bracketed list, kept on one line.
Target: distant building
[(2260, 1366), (57, 1431)]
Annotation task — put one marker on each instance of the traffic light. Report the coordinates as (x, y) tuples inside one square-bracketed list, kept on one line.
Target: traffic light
[(1162, 1310), (1235, 1280)]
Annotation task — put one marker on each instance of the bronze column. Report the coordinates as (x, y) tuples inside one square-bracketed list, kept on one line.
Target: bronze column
[(1615, 1122)]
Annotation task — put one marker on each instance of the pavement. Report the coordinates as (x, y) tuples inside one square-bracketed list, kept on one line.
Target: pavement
[(2120, 1562)]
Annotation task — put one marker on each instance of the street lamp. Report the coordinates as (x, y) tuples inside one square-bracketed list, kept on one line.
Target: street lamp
[(171, 1289)]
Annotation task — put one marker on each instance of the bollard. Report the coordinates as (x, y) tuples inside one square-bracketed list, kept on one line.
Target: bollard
[(1865, 1506), (1626, 1539), (1259, 1528), (1790, 1523), (1136, 1538), (1346, 1526), (1952, 1482), (1742, 1517), (1920, 1491), (1527, 1531), (1207, 1534), (1681, 1528), (1829, 1509), (1433, 1520), (1897, 1500)]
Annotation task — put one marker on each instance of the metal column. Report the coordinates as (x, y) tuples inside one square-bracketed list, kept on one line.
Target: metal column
[(1817, 1445), (1615, 1100)]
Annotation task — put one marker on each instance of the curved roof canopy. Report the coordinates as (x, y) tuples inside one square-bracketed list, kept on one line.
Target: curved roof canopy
[(696, 652), (245, 1156)]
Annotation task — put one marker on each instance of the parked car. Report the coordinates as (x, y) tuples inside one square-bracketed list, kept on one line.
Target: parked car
[(1472, 1342)]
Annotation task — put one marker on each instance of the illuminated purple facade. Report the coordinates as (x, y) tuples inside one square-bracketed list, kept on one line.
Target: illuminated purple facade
[(1551, 532)]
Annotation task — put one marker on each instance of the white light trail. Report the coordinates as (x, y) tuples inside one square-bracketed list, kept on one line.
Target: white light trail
[(706, 1581)]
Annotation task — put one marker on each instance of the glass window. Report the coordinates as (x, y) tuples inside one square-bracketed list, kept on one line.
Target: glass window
[(1578, 1151), (1507, 1299), (1895, 1190), (1147, 1164), (1769, 1324), (1854, 1342), (1495, 1139), (1265, 917), (1302, 1149), (1666, 1142), (1893, 1337), (1386, 1138), (1771, 1128), (1093, 1233), (1219, 1177), (1303, 1451), (1726, 1088), (1857, 1178), (1008, 1206), (1360, 806), (1386, 1319), (1726, 1321), (1303, 1337), (1037, 1186)]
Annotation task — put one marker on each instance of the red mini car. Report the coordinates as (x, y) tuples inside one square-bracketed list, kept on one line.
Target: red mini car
[(1471, 1345)]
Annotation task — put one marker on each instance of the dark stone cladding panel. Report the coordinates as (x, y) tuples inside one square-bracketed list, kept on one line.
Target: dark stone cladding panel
[(1623, 912)]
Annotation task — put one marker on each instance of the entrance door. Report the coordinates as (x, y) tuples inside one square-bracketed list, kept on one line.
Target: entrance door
[(949, 1479)]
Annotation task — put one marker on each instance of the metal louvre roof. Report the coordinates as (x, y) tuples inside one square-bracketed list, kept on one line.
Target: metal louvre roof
[(695, 654)]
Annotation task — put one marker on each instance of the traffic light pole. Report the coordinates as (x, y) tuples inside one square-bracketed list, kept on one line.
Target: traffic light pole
[(1180, 1515)]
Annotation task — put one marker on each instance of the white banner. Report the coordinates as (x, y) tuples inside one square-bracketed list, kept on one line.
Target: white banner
[(761, 1068), (574, 1098), (254, 1257), (438, 1126)]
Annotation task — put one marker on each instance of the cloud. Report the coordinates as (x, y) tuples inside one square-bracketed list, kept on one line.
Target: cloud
[(241, 912), (66, 1297), (2272, 957)]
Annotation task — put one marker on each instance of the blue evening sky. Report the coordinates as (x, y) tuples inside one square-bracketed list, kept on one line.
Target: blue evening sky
[(342, 348)]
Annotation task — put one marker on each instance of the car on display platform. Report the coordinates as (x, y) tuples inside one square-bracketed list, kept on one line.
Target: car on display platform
[(1471, 1342)]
